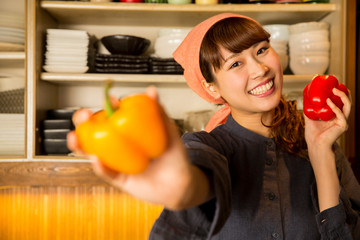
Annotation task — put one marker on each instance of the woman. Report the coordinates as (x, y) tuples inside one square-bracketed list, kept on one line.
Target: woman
[(257, 173)]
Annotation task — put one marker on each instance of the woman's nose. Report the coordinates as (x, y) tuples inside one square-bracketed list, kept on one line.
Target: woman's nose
[(258, 69)]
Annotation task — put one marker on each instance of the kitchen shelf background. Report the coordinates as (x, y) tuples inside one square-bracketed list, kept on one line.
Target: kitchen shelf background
[(63, 90)]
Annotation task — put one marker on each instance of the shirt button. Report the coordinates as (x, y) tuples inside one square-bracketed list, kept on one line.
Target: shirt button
[(269, 161), (271, 196), (275, 235)]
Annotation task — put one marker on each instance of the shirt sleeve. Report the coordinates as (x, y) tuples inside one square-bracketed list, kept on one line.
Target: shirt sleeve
[(341, 221), (350, 192), (203, 221)]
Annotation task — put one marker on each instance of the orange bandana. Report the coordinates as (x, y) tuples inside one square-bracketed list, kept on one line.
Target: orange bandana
[(188, 56)]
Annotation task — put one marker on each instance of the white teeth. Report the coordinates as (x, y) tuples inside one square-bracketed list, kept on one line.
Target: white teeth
[(262, 89)]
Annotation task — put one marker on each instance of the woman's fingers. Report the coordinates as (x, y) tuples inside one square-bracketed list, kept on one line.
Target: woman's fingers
[(80, 116), (73, 144), (340, 116), (101, 170), (346, 101), (152, 92)]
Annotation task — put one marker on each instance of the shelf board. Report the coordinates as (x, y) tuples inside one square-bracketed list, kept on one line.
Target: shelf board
[(12, 55), (149, 14), (76, 78), (81, 78)]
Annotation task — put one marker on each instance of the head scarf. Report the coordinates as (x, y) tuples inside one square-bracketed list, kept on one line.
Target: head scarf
[(188, 56)]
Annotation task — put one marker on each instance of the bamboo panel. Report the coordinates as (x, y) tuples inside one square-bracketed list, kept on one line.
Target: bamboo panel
[(81, 212)]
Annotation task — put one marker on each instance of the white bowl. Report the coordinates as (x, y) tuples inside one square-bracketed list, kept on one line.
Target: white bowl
[(309, 65), (278, 31), (308, 26), (65, 69), (173, 31), (310, 54), (308, 47), (165, 45), (307, 37)]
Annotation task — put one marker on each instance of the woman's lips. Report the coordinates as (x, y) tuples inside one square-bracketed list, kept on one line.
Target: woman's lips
[(263, 88)]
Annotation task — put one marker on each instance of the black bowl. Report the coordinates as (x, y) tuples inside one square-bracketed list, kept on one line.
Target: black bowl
[(125, 44)]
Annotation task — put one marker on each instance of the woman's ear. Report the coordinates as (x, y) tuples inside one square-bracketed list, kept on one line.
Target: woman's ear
[(210, 88)]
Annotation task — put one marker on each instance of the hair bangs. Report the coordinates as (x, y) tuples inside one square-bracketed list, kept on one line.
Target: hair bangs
[(233, 34)]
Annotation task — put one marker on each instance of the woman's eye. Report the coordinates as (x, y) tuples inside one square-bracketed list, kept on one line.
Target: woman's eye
[(236, 64), (262, 50)]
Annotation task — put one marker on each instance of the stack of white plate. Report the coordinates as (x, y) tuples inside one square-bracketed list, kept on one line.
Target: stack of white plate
[(12, 137), (66, 51), (12, 33), (279, 41), (309, 47)]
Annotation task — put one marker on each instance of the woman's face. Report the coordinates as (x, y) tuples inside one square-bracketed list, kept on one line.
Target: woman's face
[(250, 81)]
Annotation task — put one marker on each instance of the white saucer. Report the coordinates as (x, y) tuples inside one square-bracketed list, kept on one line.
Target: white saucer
[(65, 69)]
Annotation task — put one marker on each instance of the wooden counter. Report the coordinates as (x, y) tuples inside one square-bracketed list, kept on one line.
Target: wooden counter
[(59, 200)]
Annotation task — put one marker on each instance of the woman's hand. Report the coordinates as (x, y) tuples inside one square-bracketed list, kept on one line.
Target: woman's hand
[(325, 133), (168, 180)]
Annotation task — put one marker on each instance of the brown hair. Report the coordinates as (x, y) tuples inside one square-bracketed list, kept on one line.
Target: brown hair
[(235, 35)]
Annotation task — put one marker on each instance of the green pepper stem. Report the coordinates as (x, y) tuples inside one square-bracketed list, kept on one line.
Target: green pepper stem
[(108, 107)]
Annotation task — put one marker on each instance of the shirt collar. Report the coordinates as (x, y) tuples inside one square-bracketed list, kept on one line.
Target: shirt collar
[(242, 132)]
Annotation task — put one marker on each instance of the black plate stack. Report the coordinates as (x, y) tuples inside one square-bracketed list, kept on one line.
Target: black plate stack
[(117, 63), (54, 130), (165, 66)]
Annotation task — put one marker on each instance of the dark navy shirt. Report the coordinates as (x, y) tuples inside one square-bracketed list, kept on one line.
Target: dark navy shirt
[(260, 192)]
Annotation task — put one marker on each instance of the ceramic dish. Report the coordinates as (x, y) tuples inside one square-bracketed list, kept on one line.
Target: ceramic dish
[(163, 61), (167, 69), (63, 113), (74, 50), (67, 38), (309, 65), (55, 146), (121, 58), (278, 31), (67, 56), (65, 69), (308, 26), (121, 70), (54, 64), (12, 39), (125, 44), (9, 19), (55, 133), (173, 31), (57, 124), (65, 44), (66, 32), (319, 46), (12, 31), (121, 65)]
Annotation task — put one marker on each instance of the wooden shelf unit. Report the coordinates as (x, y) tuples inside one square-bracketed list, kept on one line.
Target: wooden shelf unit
[(146, 19)]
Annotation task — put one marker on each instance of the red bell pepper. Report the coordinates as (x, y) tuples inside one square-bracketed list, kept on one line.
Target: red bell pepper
[(315, 94)]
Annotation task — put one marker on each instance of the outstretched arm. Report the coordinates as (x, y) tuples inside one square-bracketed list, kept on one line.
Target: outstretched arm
[(170, 180)]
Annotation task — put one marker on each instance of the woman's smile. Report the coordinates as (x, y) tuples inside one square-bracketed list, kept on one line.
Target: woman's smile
[(263, 89)]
